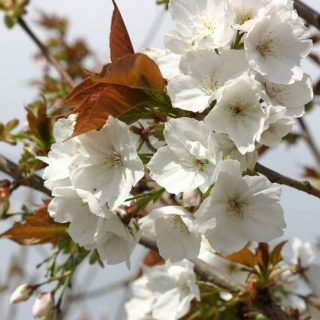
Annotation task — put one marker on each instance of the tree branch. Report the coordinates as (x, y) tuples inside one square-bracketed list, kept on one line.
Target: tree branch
[(262, 302), (308, 138), (274, 176), (308, 14), (46, 53), (35, 182)]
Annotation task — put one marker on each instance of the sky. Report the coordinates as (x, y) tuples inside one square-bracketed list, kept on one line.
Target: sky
[(90, 19)]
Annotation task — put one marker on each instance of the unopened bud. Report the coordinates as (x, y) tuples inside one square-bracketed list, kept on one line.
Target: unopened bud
[(191, 198), (43, 304), (22, 293)]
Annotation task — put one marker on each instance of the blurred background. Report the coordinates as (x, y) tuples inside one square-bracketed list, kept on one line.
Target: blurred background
[(146, 23)]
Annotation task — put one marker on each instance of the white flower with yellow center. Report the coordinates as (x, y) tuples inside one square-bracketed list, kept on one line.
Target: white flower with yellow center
[(293, 96), (189, 160), (174, 232), (238, 113), (203, 75), (240, 209), (275, 46), (110, 166)]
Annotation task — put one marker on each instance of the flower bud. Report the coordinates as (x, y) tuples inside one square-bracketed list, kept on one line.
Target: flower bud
[(191, 198), (22, 293), (43, 304)]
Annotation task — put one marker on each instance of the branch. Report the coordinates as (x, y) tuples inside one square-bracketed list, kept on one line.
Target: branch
[(262, 302), (46, 53), (308, 138), (274, 176), (35, 182), (308, 14)]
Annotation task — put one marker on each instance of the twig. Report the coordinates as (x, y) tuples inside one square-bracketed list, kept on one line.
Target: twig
[(308, 14), (46, 53), (308, 138), (262, 302), (13, 170), (274, 176)]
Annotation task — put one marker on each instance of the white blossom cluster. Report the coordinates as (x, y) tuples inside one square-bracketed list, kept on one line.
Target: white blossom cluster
[(234, 64), (164, 292)]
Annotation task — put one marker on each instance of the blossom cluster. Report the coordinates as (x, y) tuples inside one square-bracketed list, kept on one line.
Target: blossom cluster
[(234, 67)]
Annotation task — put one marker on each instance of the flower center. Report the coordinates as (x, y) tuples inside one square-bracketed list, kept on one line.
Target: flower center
[(266, 47), (243, 16), (211, 83), (237, 208), (182, 284), (238, 109), (112, 160), (197, 164), (273, 91)]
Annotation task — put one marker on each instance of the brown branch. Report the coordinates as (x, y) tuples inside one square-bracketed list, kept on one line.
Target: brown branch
[(46, 53), (35, 182), (309, 140), (308, 14), (274, 176), (262, 302)]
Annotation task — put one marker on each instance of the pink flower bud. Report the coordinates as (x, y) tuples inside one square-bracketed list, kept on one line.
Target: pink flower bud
[(43, 304), (191, 198), (22, 293)]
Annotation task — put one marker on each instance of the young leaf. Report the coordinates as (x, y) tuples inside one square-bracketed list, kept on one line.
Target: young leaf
[(116, 90), (38, 229), (120, 43), (276, 256), (244, 256)]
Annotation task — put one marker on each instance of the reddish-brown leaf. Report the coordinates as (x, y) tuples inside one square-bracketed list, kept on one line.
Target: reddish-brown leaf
[(276, 256), (38, 229), (244, 256), (116, 90), (120, 43), (135, 71), (262, 254)]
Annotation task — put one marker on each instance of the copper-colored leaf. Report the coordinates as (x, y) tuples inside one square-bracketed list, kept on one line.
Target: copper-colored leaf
[(244, 256), (120, 43), (115, 91), (135, 71), (276, 256), (38, 229), (262, 253)]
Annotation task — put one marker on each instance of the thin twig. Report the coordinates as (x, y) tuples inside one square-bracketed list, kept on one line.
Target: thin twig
[(13, 170), (262, 302), (308, 138), (46, 53), (277, 177), (308, 14)]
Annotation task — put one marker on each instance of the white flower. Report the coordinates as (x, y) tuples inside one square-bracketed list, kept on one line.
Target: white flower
[(293, 96), (115, 240), (43, 304), (238, 113), (304, 253), (211, 20), (111, 166), (82, 213), (63, 128), (276, 127), (204, 73), (230, 151), (189, 160), (174, 232), (275, 46), (191, 198), (174, 287), (139, 307), (240, 209), (246, 13), (22, 293)]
